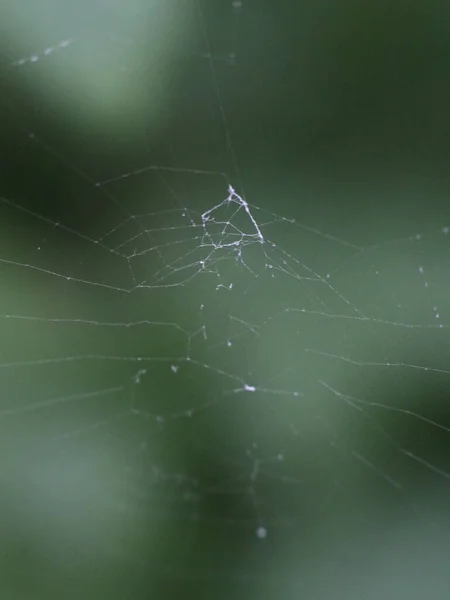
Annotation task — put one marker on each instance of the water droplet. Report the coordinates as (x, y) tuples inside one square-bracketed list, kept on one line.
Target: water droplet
[(261, 532)]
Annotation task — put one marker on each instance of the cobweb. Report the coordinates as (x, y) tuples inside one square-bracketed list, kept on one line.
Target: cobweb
[(259, 381)]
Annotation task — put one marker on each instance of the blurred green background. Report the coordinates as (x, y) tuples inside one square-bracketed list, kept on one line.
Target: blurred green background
[(134, 463)]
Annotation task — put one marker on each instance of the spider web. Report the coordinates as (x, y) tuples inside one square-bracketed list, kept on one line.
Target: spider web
[(182, 358)]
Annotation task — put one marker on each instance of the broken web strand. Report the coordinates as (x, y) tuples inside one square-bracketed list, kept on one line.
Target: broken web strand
[(34, 58), (236, 13)]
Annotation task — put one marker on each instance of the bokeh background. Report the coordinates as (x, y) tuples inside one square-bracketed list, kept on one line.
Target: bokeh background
[(332, 478)]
